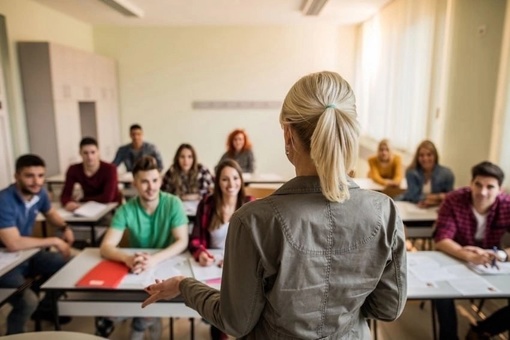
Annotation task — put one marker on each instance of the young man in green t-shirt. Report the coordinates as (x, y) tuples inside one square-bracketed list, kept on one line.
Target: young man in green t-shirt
[(155, 220)]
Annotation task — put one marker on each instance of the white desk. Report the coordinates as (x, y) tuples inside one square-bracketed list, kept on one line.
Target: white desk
[(419, 222), (369, 184), (125, 300), (9, 261), (79, 220), (444, 290)]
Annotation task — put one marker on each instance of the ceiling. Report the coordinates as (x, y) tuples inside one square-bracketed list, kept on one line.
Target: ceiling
[(217, 12)]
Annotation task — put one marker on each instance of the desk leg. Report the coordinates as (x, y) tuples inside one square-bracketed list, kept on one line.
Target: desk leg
[(54, 300), (192, 328), (93, 235), (434, 324), (171, 323), (44, 229)]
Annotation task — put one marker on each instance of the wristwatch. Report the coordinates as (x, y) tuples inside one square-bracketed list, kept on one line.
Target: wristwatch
[(502, 255)]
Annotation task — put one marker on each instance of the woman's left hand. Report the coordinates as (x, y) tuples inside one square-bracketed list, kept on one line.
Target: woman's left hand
[(163, 290)]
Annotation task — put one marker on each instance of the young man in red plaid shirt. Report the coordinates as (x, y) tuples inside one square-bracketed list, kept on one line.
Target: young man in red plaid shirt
[(471, 222)]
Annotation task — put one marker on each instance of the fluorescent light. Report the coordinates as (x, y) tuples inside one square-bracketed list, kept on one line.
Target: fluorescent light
[(125, 7), (313, 7)]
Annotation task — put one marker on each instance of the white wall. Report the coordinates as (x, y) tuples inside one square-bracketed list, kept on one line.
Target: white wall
[(30, 21), (163, 69)]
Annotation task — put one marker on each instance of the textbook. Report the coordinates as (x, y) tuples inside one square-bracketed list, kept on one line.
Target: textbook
[(106, 274)]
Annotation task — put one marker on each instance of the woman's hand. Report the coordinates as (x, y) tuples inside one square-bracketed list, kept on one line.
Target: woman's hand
[(205, 260), (163, 290)]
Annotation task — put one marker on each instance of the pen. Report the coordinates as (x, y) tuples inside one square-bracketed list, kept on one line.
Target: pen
[(202, 248), (495, 249)]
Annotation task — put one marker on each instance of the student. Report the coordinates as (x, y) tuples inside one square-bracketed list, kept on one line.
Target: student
[(213, 216), (386, 166), (187, 178), (130, 153), (97, 179), (154, 219), (471, 222), (19, 205), (427, 181), (239, 149), (318, 257)]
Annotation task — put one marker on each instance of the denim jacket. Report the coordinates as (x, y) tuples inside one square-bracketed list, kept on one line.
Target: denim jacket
[(441, 181), (300, 267)]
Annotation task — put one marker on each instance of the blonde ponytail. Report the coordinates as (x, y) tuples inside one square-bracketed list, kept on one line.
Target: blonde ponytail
[(321, 109)]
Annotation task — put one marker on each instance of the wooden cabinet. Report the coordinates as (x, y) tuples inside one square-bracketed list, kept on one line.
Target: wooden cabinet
[(62, 88)]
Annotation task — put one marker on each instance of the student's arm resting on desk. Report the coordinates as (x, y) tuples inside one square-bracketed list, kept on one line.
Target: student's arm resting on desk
[(414, 187), (55, 219), (13, 241), (399, 173), (373, 172), (109, 248), (386, 302), (180, 236)]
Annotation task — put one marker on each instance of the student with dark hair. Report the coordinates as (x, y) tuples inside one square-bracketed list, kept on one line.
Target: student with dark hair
[(470, 224), (239, 148), (98, 179), (19, 205), (155, 220), (187, 178), (130, 153)]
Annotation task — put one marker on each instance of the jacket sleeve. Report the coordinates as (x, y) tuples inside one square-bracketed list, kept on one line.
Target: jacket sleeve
[(388, 299), (414, 189), (119, 157), (251, 162), (167, 183), (374, 173), (237, 308), (398, 173)]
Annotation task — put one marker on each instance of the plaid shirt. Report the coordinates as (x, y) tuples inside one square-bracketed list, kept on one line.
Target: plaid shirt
[(205, 182), (457, 222)]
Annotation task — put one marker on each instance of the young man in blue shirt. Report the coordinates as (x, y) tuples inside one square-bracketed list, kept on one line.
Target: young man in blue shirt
[(19, 205)]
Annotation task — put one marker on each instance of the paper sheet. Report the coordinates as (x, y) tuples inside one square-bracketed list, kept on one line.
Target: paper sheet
[(89, 209), (210, 272), (503, 268), (473, 286), (6, 258), (163, 270)]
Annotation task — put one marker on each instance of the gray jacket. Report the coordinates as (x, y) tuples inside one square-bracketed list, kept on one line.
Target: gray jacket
[(300, 267)]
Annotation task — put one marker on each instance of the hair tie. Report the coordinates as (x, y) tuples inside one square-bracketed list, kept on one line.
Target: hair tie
[(331, 106)]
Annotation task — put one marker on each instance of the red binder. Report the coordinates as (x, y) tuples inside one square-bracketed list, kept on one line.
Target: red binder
[(106, 274)]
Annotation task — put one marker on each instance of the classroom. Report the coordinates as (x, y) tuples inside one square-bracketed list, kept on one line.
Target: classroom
[(192, 73)]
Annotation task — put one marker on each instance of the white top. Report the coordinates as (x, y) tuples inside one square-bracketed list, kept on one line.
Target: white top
[(481, 224), (219, 236), (427, 187)]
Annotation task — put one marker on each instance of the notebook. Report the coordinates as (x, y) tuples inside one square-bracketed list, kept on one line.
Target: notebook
[(89, 209), (106, 274)]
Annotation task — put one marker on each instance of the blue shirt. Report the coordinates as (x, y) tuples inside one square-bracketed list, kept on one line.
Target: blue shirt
[(15, 211), (127, 155)]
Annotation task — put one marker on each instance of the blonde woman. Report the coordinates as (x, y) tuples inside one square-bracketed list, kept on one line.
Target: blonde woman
[(320, 255), (386, 166)]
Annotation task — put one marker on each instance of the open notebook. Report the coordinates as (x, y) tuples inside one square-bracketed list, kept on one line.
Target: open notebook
[(89, 209)]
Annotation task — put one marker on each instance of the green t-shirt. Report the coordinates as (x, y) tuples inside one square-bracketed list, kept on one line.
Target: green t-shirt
[(151, 231)]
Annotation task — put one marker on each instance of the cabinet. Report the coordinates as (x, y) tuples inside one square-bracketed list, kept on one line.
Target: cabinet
[(63, 87)]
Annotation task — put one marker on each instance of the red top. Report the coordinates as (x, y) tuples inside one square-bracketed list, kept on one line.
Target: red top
[(101, 187)]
